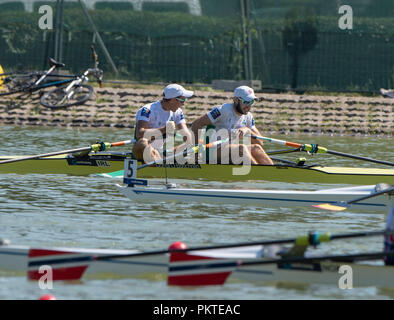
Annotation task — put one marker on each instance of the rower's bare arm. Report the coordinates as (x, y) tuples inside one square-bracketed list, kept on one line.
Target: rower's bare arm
[(145, 130), (185, 133), (200, 123), (244, 131)]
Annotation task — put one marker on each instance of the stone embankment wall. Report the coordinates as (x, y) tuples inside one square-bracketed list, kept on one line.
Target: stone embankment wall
[(280, 113)]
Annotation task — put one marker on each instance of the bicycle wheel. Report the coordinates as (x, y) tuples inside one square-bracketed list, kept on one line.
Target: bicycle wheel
[(14, 83), (59, 98)]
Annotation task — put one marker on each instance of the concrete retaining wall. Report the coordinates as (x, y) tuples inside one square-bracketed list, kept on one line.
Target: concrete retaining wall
[(280, 113)]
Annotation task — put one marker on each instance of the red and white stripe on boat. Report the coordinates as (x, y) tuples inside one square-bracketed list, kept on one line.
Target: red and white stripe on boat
[(192, 270), (64, 265)]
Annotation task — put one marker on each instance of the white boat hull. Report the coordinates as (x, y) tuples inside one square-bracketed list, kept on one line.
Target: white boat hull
[(208, 262), (15, 259), (263, 198)]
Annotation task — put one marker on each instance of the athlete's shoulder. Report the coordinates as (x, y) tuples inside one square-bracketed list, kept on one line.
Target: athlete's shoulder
[(214, 113), (147, 110), (227, 107), (218, 111)]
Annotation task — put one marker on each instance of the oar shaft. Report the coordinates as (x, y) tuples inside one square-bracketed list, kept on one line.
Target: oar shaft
[(282, 151), (44, 155), (375, 194), (277, 141), (302, 240), (292, 163), (360, 234), (338, 258), (94, 147), (341, 154), (319, 149), (302, 147)]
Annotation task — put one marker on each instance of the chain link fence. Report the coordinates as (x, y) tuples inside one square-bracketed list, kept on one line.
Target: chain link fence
[(286, 44)]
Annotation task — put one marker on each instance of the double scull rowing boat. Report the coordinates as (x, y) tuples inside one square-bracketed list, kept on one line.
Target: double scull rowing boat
[(112, 164), (198, 267), (262, 198)]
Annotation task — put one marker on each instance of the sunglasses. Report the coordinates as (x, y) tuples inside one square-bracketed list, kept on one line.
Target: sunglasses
[(246, 103), (181, 100)]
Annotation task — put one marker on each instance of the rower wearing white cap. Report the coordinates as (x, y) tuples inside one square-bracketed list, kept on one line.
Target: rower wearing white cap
[(163, 115), (236, 116)]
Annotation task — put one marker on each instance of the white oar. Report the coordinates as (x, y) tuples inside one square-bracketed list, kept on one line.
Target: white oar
[(94, 147)]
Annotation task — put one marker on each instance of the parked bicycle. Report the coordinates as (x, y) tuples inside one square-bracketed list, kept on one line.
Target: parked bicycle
[(28, 82), (70, 89), (75, 93)]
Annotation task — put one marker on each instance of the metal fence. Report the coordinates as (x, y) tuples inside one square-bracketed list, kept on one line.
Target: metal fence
[(287, 44)]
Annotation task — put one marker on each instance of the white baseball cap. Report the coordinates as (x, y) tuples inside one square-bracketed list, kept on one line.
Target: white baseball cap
[(175, 90), (244, 92)]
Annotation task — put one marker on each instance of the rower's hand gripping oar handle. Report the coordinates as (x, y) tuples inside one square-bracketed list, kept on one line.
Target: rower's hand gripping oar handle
[(185, 153)]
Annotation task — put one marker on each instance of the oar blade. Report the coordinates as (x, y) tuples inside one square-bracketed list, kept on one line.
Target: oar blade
[(58, 274), (55, 265), (332, 207), (115, 174)]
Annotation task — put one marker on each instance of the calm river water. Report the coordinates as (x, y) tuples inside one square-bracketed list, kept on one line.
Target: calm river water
[(61, 210)]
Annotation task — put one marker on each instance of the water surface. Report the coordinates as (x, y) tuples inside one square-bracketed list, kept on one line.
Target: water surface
[(62, 210)]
